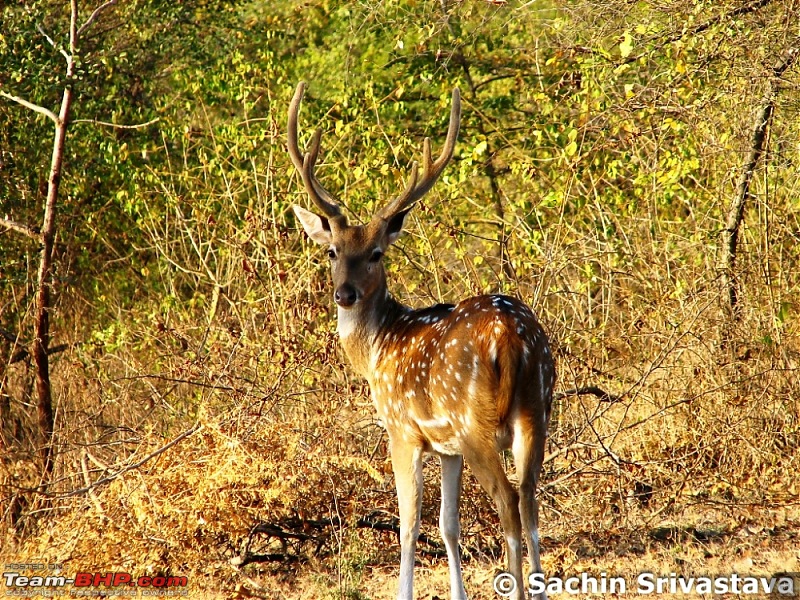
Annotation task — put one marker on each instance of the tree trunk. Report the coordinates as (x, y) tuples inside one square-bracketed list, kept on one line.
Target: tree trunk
[(41, 341), (737, 206)]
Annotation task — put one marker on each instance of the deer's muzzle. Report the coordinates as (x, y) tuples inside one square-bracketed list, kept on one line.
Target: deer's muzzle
[(346, 295)]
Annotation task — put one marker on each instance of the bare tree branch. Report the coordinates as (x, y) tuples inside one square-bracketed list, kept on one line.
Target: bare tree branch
[(73, 26), (52, 42), (20, 228), (108, 479), (116, 125), (22, 354), (94, 15), (591, 390), (701, 27), (41, 338), (737, 12), (34, 107)]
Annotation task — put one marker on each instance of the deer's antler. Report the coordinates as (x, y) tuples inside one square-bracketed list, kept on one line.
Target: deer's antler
[(305, 162), (431, 169)]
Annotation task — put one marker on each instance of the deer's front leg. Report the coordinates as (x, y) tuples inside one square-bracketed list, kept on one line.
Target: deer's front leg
[(407, 467)]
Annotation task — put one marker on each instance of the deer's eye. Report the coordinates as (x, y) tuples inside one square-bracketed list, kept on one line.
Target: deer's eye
[(376, 256), (331, 253)]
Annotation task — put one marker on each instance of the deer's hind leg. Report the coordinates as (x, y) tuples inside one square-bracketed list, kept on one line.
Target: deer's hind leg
[(529, 436), (488, 469)]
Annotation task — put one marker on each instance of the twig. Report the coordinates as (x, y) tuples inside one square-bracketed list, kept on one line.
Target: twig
[(562, 351), (565, 449), (11, 337), (34, 107), (211, 386)]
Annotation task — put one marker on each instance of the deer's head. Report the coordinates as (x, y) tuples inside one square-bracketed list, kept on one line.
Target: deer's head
[(356, 251)]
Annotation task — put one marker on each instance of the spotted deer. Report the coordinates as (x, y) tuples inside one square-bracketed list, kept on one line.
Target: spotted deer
[(461, 381)]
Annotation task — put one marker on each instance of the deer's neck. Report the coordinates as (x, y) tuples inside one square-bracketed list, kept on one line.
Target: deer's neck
[(359, 327)]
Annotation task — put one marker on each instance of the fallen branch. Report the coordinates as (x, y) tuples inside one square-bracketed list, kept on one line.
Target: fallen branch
[(296, 530), (393, 527), (285, 557)]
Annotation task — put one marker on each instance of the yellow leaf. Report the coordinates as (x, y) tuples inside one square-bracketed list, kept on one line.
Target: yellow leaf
[(571, 148), (628, 90), (626, 45)]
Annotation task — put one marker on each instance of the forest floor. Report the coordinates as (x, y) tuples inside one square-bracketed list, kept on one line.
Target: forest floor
[(713, 543)]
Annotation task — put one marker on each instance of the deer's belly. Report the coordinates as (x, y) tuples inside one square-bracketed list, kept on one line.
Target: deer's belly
[(437, 434), (450, 447)]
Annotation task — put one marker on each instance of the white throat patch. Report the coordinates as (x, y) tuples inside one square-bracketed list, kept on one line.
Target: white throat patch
[(347, 322)]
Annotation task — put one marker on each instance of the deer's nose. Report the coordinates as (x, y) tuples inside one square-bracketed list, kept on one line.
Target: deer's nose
[(345, 295)]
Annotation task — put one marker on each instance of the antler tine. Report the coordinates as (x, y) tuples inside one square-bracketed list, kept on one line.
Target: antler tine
[(412, 179), (431, 169), (305, 162), (291, 126)]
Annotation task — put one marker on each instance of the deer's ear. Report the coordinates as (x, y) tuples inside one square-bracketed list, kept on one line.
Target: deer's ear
[(318, 228), (394, 228)]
